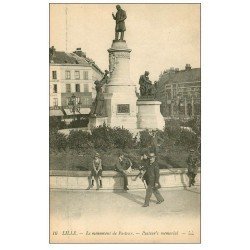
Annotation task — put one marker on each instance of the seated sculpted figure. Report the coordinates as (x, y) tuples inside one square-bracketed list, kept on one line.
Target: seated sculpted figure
[(146, 87)]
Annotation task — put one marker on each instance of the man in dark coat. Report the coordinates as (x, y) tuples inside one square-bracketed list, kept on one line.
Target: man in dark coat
[(119, 17), (151, 177), (124, 166), (192, 162)]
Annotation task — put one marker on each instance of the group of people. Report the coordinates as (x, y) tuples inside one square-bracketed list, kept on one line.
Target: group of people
[(149, 173)]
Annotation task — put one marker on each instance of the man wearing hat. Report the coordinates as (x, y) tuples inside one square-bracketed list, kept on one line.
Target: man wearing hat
[(151, 177), (96, 171), (192, 162), (143, 165), (124, 166)]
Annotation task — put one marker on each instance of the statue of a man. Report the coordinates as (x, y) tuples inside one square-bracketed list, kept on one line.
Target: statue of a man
[(119, 17)]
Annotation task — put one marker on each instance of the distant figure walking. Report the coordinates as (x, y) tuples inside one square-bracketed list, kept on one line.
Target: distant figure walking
[(152, 177), (192, 162)]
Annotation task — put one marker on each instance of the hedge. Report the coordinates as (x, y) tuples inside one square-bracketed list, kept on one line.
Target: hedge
[(173, 147)]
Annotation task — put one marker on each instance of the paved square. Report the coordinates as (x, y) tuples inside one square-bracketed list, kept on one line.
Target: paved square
[(103, 216)]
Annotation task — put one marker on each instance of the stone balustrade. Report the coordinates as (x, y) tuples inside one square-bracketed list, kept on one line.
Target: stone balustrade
[(62, 179)]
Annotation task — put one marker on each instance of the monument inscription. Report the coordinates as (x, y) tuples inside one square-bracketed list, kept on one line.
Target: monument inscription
[(123, 108)]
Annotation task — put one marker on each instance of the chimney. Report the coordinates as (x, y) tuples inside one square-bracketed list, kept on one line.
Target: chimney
[(187, 67), (79, 52), (171, 70), (51, 53)]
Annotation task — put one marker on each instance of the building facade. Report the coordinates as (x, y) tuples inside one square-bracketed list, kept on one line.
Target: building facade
[(180, 92), (72, 74)]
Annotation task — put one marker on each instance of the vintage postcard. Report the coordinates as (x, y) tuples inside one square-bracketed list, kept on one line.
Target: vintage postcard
[(125, 134)]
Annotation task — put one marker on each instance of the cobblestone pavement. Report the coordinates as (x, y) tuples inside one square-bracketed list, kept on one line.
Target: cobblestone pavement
[(122, 212)]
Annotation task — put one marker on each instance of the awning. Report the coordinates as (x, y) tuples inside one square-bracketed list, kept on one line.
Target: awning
[(55, 112), (83, 111)]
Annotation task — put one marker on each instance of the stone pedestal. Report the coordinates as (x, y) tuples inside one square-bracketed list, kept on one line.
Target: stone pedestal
[(120, 97), (149, 115), (97, 121)]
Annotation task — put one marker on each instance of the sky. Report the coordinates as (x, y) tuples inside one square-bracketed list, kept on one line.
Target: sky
[(160, 35)]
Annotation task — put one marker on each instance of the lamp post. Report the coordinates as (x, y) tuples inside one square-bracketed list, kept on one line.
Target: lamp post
[(74, 105)]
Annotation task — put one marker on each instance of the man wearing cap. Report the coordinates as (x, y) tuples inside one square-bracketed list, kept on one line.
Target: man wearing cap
[(124, 166), (143, 165), (96, 171), (192, 162), (152, 176)]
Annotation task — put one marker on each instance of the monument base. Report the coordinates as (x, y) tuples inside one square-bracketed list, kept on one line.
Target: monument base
[(97, 121), (149, 115), (121, 107)]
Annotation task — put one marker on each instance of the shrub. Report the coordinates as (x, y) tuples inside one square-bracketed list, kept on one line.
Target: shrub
[(79, 140), (172, 130), (121, 138), (194, 124), (107, 138), (145, 139), (57, 141), (56, 123), (78, 123), (188, 139), (101, 137)]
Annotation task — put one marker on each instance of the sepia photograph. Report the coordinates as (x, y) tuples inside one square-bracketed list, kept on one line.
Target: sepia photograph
[(124, 123), (110, 140)]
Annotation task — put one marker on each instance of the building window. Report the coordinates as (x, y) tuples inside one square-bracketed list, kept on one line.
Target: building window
[(68, 89), (77, 100), (169, 94), (67, 74), (86, 88), (55, 88), (55, 102), (77, 87), (54, 76), (86, 101), (77, 74), (174, 93), (85, 75)]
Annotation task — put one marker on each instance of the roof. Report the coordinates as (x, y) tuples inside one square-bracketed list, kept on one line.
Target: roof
[(55, 112), (61, 57), (166, 77), (191, 75)]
